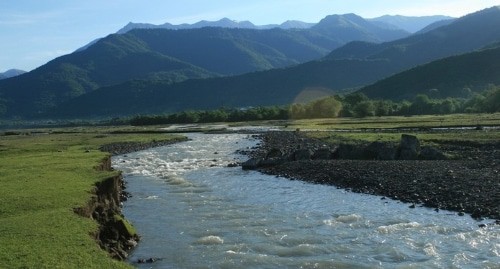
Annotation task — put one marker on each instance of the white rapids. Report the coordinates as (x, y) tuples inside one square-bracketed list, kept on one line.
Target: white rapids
[(192, 211)]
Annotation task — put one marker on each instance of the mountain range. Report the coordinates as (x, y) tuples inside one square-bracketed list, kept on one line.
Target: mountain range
[(176, 55), (160, 64), (354, 65), (223, 23), (11, 73), (449, 77), (409, 24)]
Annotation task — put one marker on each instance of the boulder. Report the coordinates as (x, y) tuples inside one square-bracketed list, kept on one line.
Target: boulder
[(409, 147), (271, 161), (431, 153), (348, 152), (379, 151), (274, 153), (302, 155), (322, 154), (251, 164)]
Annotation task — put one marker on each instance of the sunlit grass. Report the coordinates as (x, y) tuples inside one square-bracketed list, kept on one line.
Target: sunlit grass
[(43, 177), (426, 121)]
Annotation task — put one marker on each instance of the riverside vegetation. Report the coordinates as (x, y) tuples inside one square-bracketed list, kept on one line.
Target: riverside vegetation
[(46, 176)]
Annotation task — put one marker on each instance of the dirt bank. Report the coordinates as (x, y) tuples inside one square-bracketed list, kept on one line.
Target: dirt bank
[(115, 234)]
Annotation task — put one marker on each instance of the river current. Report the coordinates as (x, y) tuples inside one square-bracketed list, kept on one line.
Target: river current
[(193, 211)]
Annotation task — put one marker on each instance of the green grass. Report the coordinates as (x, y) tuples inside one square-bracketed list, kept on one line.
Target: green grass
[(356, 137), (427, 121), (389, 129), (43, 177)]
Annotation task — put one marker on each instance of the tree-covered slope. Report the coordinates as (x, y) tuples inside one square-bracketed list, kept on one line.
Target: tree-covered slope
[(272, 87), (442, 78), (171, 55), (112, 60), (463, 35)]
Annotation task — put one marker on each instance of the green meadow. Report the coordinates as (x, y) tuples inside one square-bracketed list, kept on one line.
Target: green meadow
[(44, 175)]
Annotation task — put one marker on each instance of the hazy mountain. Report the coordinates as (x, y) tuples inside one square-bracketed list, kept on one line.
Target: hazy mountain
[(445, 78), (293, 24), (350, 27), (224, 23), (11, 73), (463, 35), (407, 23), (176, 55), (282, 86), (435, 25), (397, 22)]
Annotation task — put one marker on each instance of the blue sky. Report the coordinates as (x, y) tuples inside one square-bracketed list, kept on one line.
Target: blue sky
[(33, 32)]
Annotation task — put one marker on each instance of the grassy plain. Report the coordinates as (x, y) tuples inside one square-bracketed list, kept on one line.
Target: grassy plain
[(429, 128), (43, 176)]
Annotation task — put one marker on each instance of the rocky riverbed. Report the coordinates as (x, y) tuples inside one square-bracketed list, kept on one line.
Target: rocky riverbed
[(465, 185)]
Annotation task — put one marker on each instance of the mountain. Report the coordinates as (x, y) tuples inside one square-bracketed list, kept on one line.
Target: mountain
[(408, 23), (435, 25), (463, 35), (272, 87), (354, 65), (350, 27), (11, 73), (176, 55), (293, 24), (224, 23), (445, 78)]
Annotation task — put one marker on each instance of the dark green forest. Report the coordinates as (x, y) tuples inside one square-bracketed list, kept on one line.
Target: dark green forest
[(350, 105)]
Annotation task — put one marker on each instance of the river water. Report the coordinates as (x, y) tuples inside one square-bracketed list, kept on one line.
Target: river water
[(193, 211)]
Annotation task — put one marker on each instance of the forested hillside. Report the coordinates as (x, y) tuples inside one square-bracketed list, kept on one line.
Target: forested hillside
[(177, 55)]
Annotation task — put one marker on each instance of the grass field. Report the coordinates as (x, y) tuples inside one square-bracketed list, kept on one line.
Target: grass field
[(430, 129), (43, 176), (399, 122)]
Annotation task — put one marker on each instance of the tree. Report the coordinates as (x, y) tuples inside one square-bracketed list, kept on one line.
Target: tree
[(491, 102), (297, 111), (364, 109), (383, 107), (421, 105), (325, 108)]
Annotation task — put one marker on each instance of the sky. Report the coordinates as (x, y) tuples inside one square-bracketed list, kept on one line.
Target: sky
[(33, 32)]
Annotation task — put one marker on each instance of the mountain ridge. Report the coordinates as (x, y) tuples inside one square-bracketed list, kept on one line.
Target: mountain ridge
[(174, 55), (282, 86), (444, 78), (411, 24), (11, 73)]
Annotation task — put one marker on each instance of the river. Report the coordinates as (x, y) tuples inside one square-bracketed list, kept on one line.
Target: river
[(193, 211)]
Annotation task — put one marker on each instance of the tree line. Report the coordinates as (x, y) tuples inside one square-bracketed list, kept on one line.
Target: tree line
[(350, 105)]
